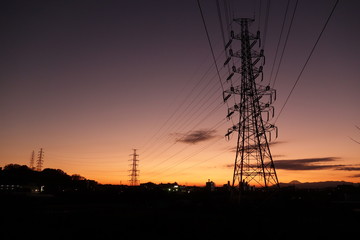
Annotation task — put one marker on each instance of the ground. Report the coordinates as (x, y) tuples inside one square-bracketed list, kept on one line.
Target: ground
[(213, 215)]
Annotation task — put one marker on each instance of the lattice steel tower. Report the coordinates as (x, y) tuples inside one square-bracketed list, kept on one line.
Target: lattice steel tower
[(253, 105), (134, 173), (32, 160), (40, 160)]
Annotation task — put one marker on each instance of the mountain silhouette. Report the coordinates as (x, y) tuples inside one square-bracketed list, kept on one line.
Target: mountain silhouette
[(324, 184)]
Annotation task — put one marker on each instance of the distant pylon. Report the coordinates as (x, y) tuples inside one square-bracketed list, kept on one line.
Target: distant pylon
[(134, 172), (32, 160), (40, 160), (253, 108)]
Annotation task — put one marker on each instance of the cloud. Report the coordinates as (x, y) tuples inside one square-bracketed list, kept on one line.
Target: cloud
[(311, 164), (308, 164), (194, 137), (229, 165), (347, 168)]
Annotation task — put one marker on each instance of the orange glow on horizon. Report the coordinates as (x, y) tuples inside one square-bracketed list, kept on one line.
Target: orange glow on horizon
[(89, 93)]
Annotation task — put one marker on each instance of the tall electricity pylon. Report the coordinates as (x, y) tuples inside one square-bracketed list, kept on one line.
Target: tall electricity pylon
[(253, 165), (32, 160), (40, 160), (134, 173)]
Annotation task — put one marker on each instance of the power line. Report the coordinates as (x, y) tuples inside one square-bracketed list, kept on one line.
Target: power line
[(308, 58), (211, 48), (178, 108), (198, 163), (259, 15), (266, 22), (285, 44), (221, 22), (216, 126), (210, 45), (220, 123), (192, 108), (189, 131), (169, 168), (278, 44), (180, 124)]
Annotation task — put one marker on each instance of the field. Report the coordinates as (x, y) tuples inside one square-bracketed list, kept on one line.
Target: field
[(138, 214)]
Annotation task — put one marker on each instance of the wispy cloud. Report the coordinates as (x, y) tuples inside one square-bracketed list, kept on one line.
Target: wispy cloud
[(194, 137), (229, 165), (348, 168), (305, 164), (308, 164)]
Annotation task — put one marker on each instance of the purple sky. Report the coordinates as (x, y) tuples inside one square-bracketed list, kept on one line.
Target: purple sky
[(90, 80)]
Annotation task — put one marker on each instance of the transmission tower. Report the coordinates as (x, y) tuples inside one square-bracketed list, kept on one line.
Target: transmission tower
[(253, 165), (134, 173), (40, 160), (32, 160)]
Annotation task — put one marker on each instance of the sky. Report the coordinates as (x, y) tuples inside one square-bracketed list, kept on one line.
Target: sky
[(89, 81)]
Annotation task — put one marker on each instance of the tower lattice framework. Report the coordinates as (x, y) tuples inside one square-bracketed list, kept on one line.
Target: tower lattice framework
[(253, 105), (32, 160), (134, 172), (40, 160)]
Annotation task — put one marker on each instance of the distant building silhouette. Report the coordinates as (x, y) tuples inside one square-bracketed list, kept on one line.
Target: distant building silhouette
[(210, 186)]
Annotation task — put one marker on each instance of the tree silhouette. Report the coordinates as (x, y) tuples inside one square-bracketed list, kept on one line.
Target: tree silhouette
[(51, 180)]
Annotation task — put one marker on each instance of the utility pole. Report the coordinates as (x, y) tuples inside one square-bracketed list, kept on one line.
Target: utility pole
[(32, 160), (134, 173), (253, 165), (40, 160)]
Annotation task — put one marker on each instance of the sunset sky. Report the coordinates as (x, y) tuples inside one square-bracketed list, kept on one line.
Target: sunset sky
[(88, 81)]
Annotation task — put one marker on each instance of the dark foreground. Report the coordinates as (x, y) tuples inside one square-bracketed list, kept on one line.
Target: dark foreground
[(203, 215)]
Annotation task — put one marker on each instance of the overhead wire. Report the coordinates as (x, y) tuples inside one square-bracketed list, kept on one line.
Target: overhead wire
[(266, 22), (224, 41), (198, 163), (222, 30), (187, 157), (202, 102), (193, 127), (193, 154), (174, 142), (259, 22), (216, 126), (285, 44), (227, 15), (189, 131), (211, 48), (308, 58), (296, 82), (210, 45), (175, 126), (178, 108), (279, 41), (182, 103), (199, 102)]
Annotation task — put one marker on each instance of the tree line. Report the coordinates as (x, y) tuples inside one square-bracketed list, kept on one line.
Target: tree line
[(48, 180)]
